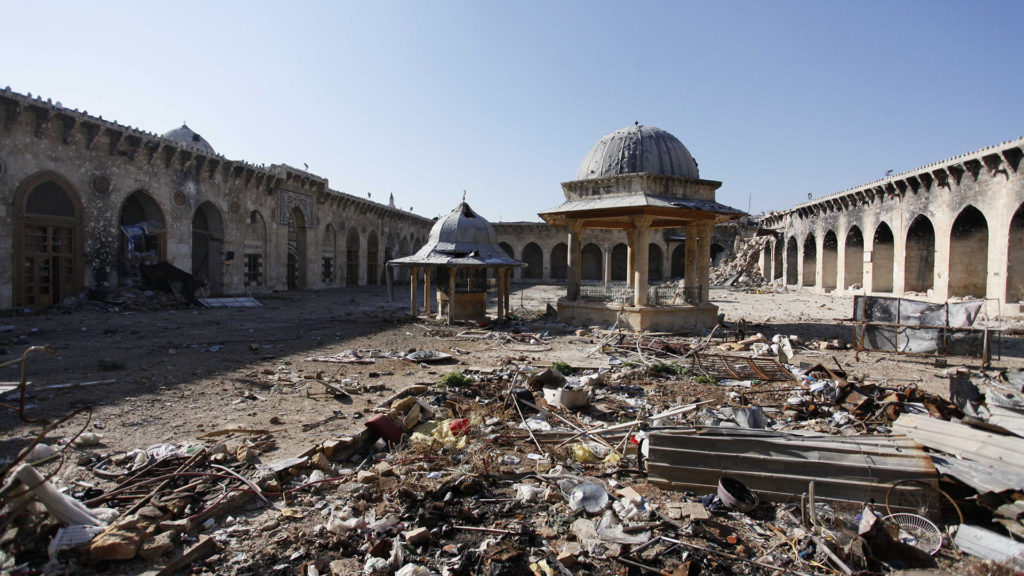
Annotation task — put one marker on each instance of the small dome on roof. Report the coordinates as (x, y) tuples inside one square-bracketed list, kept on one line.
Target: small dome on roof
[(462, 230), (187, 136), (638, 149)]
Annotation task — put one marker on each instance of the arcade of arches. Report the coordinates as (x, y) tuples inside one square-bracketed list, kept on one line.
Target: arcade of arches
[(954, 229)]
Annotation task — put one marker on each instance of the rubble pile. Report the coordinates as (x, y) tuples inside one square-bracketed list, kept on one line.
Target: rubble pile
[(667, 455), (741, 269)]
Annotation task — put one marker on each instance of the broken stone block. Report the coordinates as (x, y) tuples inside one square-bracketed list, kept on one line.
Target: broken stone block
[(157, 547), (366, 477), (417, 536), (114, 544)]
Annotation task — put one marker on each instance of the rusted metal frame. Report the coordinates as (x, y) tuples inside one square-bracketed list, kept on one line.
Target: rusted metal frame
[(20, 408)]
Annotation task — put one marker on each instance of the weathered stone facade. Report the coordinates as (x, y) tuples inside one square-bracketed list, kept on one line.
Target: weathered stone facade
[(950, 229), (85, 201)]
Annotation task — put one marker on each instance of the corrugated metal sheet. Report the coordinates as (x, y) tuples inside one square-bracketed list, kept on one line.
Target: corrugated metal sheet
[(779, 466)]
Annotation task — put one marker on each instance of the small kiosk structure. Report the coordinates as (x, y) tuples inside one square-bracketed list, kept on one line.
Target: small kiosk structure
[(640, 179), (461, 250)]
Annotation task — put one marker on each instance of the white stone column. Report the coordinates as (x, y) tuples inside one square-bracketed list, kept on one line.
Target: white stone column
[(575, 256), (704, 260), (690, 276), (607, 251), (641, 235)]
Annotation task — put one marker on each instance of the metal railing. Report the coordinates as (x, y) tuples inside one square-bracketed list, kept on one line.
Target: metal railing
[(621, 293)]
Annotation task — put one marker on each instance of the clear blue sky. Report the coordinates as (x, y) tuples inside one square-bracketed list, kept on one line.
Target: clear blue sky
[(424, 99)]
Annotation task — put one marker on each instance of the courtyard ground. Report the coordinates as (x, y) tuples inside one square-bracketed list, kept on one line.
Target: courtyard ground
[(156, 374)]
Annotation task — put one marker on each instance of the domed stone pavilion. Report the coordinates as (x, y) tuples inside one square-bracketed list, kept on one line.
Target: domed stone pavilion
[(640, 179), (461, 249)]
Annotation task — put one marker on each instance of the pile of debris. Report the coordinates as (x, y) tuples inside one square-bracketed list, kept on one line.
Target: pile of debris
[(740, 269), (669, 458)]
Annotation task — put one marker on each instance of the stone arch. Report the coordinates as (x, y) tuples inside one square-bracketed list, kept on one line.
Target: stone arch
[(883, 252), (560, 261), (919, 260), (791, 263), (655, 263), (777, 261), (677, 262), (830, 261), (717, 253), (143, 237), (534, 259), (297, 245), (620, 262), (207, 247), (328, 256), (254, 250), (853, 268), (352, 257), (591, 262), (1015, 253), (507, 248), (403, 247), (968, 254), (372, 254), (810, 259), (48, 241)]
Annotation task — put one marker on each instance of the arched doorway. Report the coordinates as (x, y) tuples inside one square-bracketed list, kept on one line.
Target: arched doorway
[(254, 250), (534, 259), (919, 264), (372, 253), (48, 252), (766, 261), (620, 262), (777, 273), (882, 259), (678, 261), (207, 246), (810, 260), (1015, 264), (717, 254), (968, 254), (507, 249), (830, 261), (143, 235), (591, 263), (791, 263), (296, 249), (560, 261), (655, 263), (853, 252), (352, 258), (328, 275)]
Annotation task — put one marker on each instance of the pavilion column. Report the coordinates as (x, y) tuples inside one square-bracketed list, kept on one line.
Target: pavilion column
[(607, 266), (630, 255), (412, 291), (499, 274), (641, 234), (451, 293), (426, 290), (704, 260), (691, 278), (575, 256)]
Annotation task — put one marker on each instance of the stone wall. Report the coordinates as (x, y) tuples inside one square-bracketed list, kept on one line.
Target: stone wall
[(79, 178), (950, 229)]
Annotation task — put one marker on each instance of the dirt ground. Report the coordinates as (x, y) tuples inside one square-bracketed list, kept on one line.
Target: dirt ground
[(173, 374)]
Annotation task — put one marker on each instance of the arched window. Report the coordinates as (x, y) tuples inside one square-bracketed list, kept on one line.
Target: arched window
[(968, 254), (882, 257), (591, 263), (919, 264), (810, 260), (534, 259), (854, 256), (560, 261)]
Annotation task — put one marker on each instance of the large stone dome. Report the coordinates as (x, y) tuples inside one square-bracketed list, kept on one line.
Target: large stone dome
[(187, 136), (638, 149)]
